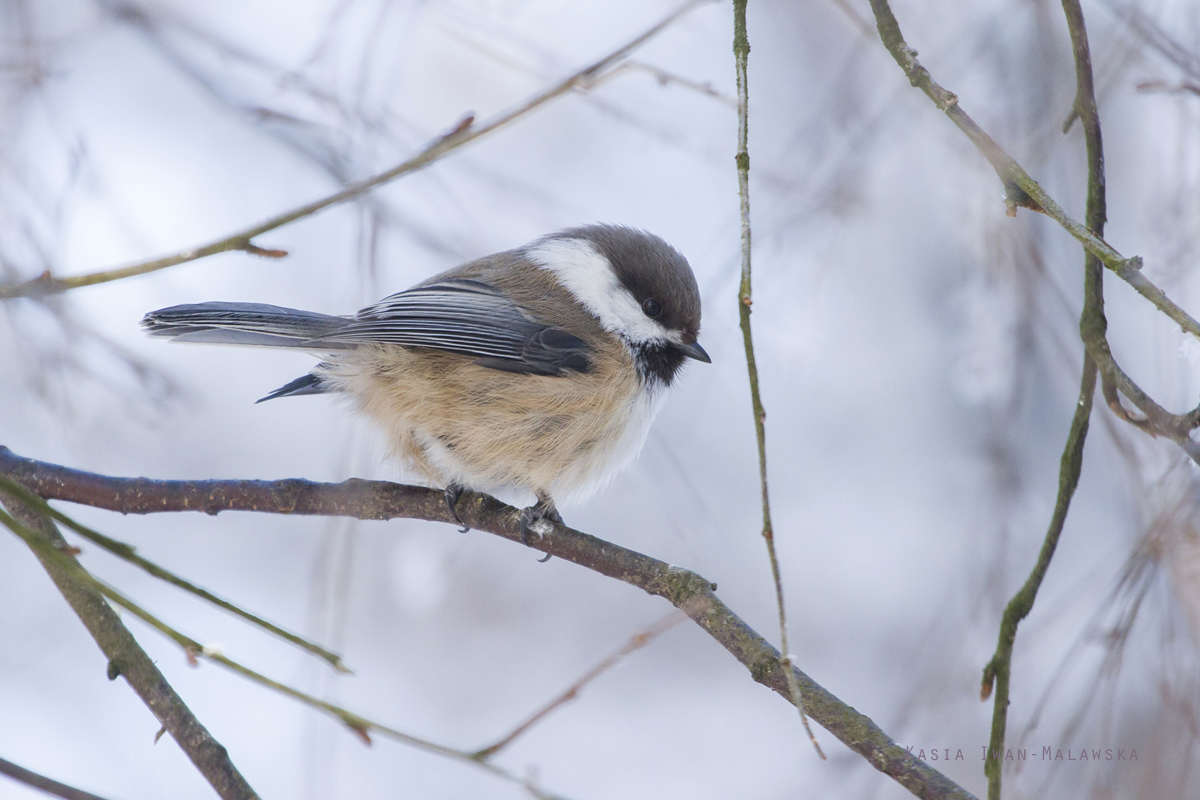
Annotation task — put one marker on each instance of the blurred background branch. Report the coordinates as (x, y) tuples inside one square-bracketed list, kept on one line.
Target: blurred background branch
[(42, 783), (1021, 190), (464, 132)]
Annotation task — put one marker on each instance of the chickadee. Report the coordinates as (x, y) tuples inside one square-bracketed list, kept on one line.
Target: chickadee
[(539, 368)]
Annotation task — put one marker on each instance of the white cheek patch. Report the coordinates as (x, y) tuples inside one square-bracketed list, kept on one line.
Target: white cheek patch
[(587, 275)]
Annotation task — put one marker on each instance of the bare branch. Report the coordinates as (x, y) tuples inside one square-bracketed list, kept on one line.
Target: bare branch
[(1166, 88), (125, 656), (463, 133), (741, 54), (1021, 190), (1092, 323), (380, 500), (998, 669), (638, 641), (61, 556), (1151, 33), (664, 78), (47, 785), (127, 553)]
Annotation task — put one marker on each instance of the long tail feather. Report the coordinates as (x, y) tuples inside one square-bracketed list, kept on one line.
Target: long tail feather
[(243, 323)]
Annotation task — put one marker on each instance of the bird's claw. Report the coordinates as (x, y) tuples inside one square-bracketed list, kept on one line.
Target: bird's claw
[(543, 510), (453, 492)]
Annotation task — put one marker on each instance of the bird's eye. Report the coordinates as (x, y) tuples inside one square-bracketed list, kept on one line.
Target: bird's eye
[(652, 307)]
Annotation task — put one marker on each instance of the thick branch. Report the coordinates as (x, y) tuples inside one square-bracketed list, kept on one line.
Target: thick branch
[(126, 658), (377, 500), (462, 134)]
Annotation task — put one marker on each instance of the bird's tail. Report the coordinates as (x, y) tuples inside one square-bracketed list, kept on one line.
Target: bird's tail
[(244, 323), (252, 324)]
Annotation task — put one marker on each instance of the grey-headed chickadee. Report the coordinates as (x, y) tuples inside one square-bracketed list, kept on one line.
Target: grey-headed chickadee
[(539, 368)]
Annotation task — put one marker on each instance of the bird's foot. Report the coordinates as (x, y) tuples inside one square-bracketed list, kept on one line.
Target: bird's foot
[(542, 510), (453, 492)]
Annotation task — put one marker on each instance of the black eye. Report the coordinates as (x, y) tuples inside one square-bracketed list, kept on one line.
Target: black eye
[(652, 307)]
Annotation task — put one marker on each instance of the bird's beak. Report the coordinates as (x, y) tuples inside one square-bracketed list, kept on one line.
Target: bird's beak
[(694, 350)]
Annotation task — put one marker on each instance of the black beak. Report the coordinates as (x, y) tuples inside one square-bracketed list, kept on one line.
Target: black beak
[(694, 350)]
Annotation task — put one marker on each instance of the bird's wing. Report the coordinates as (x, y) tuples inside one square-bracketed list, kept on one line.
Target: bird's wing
[(468, 317)]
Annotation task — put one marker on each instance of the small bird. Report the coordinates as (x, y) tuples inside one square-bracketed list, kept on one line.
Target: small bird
[(539, 368)]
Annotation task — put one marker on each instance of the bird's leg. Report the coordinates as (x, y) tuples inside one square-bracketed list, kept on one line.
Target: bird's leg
[(543, 509), (453, 492)]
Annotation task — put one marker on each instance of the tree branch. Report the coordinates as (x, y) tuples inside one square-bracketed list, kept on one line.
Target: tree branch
[(60, 555), (1092, 323), (378, 500), (638, 641), (126, 658), (47, 785), (463, 133), (998, 669), (128, 553), (1020, 189), (741, 54)]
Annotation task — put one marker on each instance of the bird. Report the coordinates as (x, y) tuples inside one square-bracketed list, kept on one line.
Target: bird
[(539, 368)]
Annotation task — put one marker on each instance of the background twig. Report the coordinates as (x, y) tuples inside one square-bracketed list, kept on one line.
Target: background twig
[(1091, 322), (741, 53), (126, 658), (463, 133), (47, 785), (1022, 190), (638, 641)]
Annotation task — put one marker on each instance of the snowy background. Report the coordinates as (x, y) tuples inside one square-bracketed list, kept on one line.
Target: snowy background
[(917, 349)]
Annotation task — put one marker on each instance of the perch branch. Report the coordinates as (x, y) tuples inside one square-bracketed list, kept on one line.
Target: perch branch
[(379, 500)]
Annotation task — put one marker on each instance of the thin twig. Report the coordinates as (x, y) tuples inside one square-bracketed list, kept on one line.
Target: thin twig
[(41, 782), (1166, 88), (378, 500), (1021, 190), (1092, 323), (637, 642), (127, 552), (463, 133), (664, 78), (998, 669), (741, 53), (125, 656), (856, 19), (194, 651), (1153, 34)]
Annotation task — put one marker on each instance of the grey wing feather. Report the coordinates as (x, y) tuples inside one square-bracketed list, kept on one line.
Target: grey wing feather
[(459, 316), (471, 318)]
